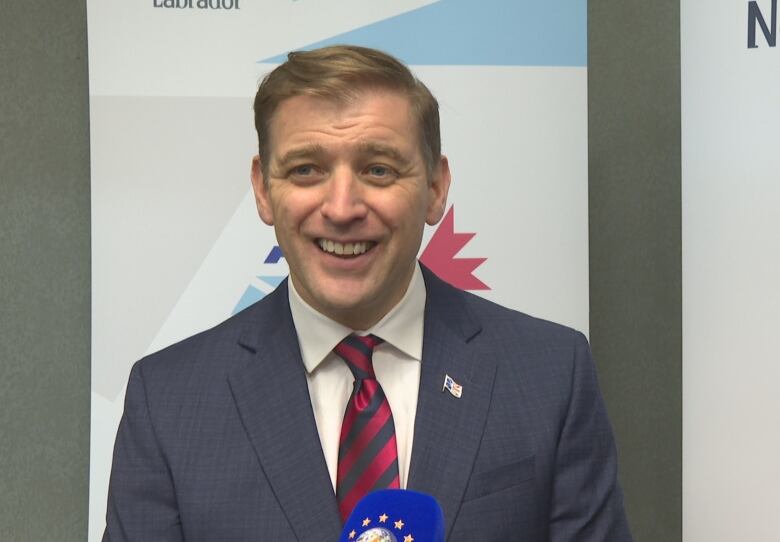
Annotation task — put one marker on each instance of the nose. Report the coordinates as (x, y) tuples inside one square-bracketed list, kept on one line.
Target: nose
[(343, 202)]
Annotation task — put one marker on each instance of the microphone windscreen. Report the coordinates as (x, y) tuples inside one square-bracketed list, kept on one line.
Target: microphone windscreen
[(395, 515)]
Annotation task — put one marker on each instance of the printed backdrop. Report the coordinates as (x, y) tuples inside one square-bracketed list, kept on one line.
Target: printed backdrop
[(176, 242), (731, 266)]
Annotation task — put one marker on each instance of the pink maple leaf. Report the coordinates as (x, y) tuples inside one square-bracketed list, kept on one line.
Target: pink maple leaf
[(439, 256)]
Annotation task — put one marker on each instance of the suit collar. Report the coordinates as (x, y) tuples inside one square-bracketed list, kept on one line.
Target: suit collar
[(447, 304), (448, 430), (272, 397)]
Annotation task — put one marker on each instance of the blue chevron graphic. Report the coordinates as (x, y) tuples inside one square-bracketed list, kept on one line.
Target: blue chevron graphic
[(275, 255), (470, 33)]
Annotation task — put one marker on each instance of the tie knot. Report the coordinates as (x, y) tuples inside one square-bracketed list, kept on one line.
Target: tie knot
[(356, 351)]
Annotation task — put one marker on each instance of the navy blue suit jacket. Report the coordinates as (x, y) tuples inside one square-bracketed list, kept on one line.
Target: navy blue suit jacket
[(218, 440)]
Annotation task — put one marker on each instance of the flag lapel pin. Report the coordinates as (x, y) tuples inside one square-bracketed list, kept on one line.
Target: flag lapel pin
[(455, 389)]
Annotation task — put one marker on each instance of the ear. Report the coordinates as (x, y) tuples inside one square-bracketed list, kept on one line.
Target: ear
[(437, 192), (260, 188)]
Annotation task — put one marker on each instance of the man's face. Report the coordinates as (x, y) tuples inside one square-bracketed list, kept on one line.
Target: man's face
[(348, 195)]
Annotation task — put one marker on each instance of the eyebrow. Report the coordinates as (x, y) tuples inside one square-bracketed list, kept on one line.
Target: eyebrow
[(307, 151), (366, 148), (373, 148)]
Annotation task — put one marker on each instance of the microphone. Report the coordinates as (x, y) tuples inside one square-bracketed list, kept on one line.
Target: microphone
[(395, 515)]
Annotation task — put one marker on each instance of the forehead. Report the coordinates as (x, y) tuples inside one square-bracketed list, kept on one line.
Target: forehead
[(372, 115)]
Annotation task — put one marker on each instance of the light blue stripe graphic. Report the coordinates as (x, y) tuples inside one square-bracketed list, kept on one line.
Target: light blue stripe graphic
[(251, 295), (273, 280), (471, 33)]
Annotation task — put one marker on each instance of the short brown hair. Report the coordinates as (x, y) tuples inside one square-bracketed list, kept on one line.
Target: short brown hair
[(339, 73)]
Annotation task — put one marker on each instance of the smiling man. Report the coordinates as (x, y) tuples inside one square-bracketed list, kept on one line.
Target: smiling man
[(272, 425), (348, 190)]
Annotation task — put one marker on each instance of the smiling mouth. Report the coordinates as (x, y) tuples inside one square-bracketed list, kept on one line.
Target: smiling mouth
[(345, 250)]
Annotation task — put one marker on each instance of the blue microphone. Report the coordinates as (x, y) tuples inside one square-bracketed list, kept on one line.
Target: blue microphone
[(395, 515)]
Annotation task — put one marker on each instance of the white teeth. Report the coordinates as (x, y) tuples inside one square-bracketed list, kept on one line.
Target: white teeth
[(343, 249)]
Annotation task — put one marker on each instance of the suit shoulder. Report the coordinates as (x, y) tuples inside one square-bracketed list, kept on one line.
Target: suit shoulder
[(207, 351), (468, 312), (526, 329)]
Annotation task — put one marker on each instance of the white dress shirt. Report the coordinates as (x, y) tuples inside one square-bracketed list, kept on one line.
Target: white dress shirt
[(396, 364)]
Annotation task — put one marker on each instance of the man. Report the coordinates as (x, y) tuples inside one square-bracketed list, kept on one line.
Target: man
[(249, 431)]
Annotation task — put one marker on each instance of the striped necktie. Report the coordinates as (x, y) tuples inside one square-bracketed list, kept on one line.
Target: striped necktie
[(368, 455)]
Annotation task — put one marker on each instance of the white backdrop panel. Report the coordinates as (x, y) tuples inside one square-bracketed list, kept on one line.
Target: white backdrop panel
[(731, 266), (177, 244)]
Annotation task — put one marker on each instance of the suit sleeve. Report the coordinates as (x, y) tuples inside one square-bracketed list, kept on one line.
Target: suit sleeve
[(587, 503), (141, 499)]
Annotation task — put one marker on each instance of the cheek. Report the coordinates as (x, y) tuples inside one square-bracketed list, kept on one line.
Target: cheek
[(407, 221), (414, 214), (293, 211), (405, 209)]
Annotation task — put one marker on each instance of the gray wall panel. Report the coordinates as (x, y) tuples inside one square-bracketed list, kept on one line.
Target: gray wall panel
[(44, 272), (635, 249)]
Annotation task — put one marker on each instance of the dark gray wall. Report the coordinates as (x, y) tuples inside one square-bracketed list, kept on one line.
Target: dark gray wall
[(635, 249), (44, 272), (45, 262)]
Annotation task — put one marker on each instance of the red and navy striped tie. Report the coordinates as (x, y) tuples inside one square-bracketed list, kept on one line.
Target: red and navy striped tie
[(368, 455)]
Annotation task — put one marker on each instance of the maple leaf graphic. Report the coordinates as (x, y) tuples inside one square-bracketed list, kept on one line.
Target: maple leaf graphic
[(439, 256)]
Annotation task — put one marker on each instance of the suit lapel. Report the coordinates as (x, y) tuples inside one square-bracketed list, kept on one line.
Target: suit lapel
[(270, 392), (448, 430)]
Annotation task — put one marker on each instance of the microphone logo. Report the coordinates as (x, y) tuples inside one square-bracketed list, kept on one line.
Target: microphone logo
[(380, 534), (377, 534)]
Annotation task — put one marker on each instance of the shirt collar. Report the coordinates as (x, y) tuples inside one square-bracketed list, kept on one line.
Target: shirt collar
[(402, 327)]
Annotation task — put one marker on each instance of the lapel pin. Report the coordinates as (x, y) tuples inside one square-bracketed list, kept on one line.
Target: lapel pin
[(455, 389)]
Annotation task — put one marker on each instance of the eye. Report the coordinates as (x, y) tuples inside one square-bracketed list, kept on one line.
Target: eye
[(305, 174), (378, 171), (380, 174), (303, 170)]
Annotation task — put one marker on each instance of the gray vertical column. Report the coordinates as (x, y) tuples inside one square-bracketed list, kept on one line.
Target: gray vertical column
[(44, 272), (635, 249)]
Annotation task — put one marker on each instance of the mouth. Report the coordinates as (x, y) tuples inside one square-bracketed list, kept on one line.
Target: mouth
[(344, 250)]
